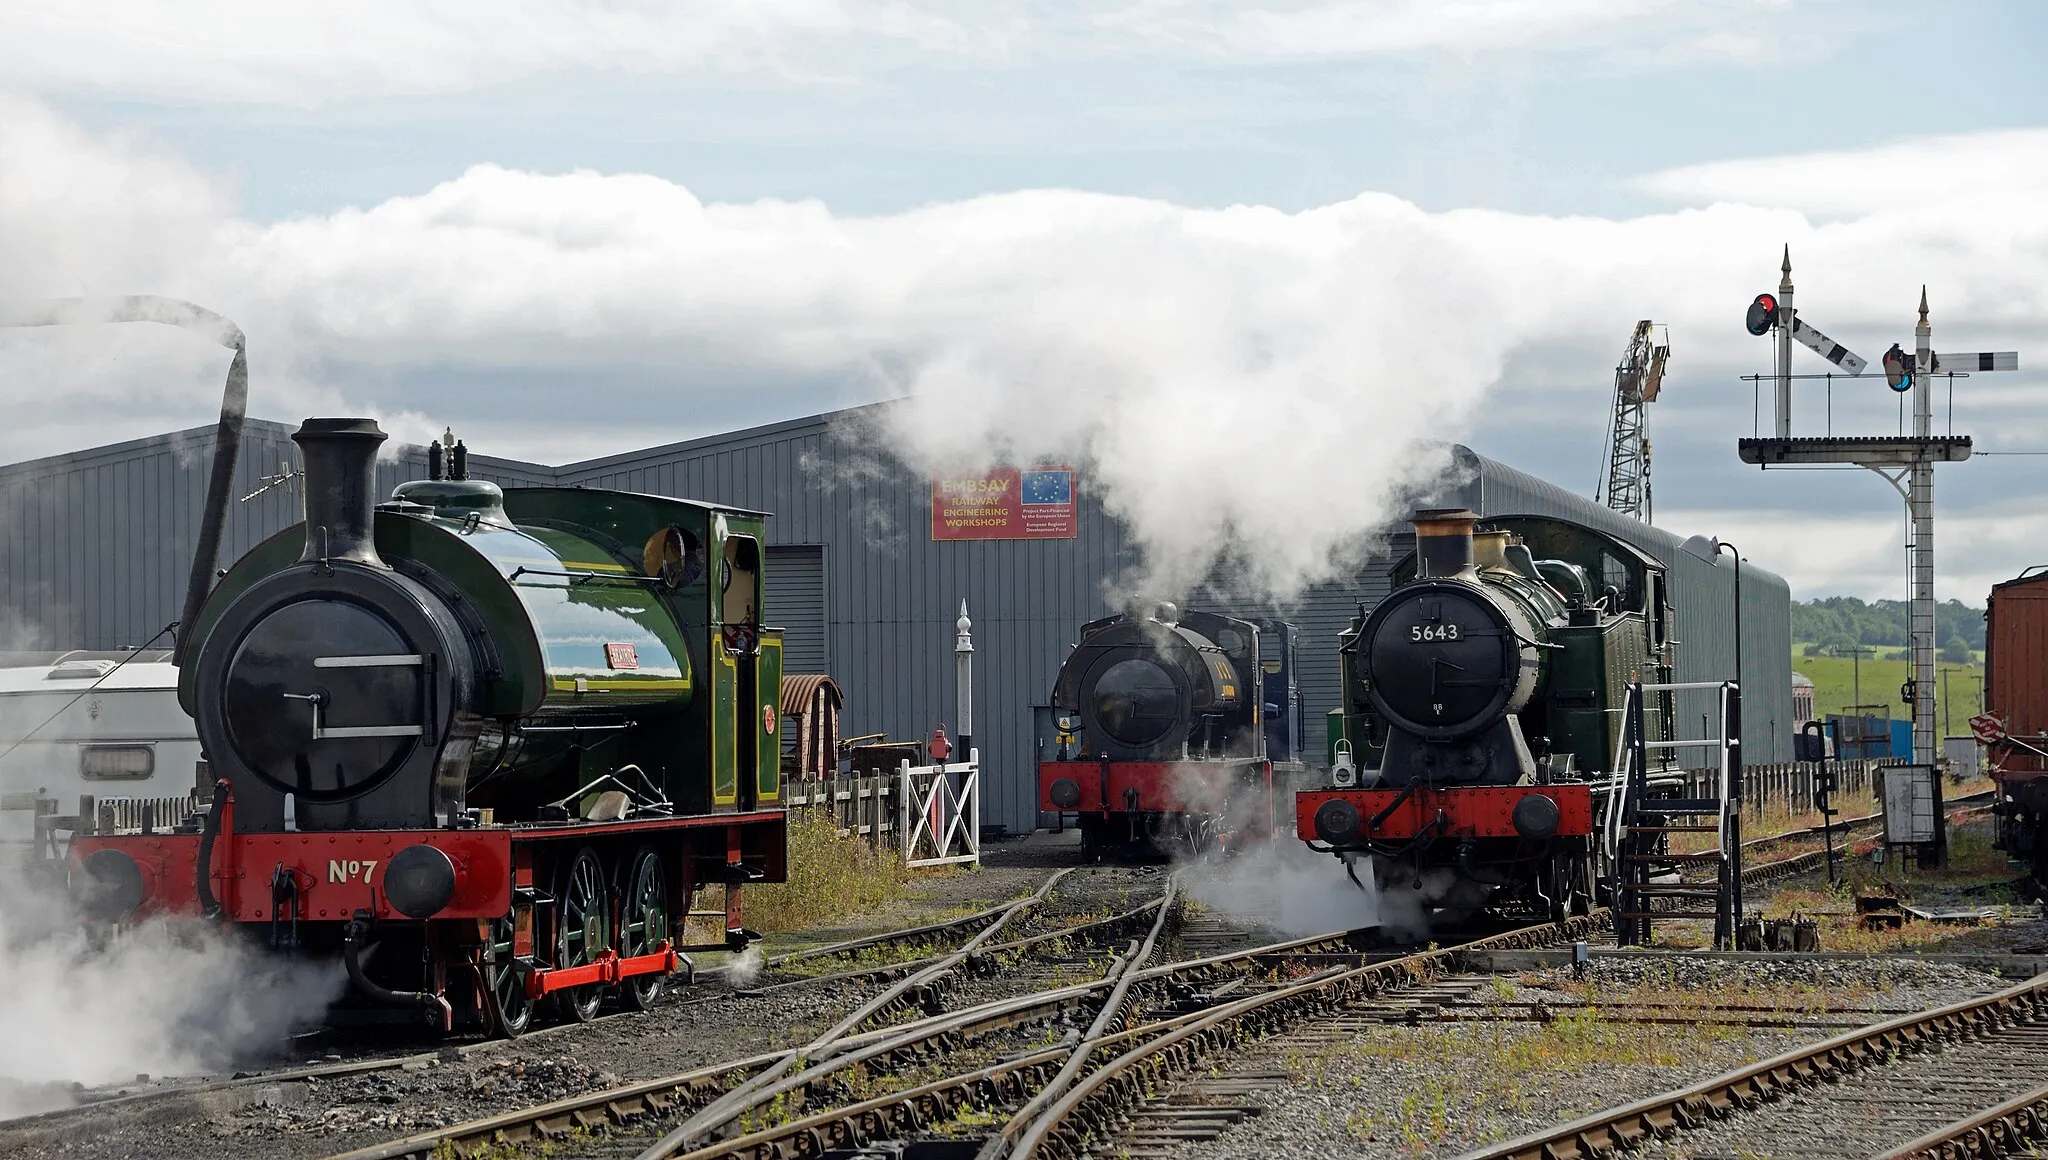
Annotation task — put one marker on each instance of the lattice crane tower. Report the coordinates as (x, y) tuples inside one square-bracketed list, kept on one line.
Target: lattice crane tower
[(1636, 382)]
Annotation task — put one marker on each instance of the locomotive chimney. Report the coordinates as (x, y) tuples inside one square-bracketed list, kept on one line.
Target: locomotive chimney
[(1443, 541), (340, 457)]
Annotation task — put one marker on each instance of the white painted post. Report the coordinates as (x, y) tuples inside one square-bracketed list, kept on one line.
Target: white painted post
[(906, 833), (963, 678), (1782, 403), (974, 804)]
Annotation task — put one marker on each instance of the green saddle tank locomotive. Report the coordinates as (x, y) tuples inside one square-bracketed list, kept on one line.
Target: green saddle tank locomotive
[(503, 736)]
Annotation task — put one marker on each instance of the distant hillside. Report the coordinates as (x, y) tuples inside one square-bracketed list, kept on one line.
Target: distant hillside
[(1834, 622)]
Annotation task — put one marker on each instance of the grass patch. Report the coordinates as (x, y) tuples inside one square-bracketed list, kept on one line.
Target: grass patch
[(1835, 681), (1778, 817), (1470, 1075), (1976, 875), (830, 877)]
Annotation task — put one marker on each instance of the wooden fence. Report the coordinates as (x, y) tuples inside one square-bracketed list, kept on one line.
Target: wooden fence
[(1789, 784), (858, 806)]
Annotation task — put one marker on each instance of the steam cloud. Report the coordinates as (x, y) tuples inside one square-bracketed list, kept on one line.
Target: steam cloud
[(160, 998), (1232, 382), (1288, 887)]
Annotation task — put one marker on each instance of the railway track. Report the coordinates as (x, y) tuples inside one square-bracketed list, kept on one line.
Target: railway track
[(201, 1097), (1140, 1018), (1143, 1021), (1865, 1092)]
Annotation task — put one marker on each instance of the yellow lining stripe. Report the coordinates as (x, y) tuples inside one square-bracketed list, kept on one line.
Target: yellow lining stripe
[(568, 684)]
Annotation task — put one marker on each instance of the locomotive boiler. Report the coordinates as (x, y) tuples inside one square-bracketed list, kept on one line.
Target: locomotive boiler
[(1481, 714), (498, 738), (1167, 730)]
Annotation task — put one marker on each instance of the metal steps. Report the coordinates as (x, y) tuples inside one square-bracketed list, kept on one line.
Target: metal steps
[(1640, 833)]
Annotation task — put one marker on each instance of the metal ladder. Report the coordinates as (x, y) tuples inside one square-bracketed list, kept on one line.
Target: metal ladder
[(1639, 826)]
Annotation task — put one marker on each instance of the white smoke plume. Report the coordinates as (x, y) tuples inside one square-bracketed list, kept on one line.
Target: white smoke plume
[(1285, 886), (160, 998), (743, 968), (1238, 382)]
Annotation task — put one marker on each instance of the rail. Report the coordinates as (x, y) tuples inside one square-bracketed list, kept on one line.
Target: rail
[(1629, 1126), (789, 1072)]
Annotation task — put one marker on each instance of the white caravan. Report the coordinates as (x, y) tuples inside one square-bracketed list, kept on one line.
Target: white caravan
[(104, 725)]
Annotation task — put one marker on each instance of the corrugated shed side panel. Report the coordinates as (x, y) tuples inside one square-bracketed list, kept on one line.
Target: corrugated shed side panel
[(891, 594), (1703, 602), (99, 543), (795, 603)]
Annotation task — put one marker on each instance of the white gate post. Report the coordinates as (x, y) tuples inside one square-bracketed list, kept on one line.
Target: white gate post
[(906, 832)]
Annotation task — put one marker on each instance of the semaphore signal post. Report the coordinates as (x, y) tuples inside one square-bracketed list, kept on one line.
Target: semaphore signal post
[(1905, 461)]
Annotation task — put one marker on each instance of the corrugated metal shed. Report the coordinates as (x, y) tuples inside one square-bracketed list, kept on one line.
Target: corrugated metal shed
[(856, 534)]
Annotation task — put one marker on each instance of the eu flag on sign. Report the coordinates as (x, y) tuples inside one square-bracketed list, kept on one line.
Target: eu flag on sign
[(1046, 487)]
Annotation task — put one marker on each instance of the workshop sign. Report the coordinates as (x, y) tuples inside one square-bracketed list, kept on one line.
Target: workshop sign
[(1009, 503)]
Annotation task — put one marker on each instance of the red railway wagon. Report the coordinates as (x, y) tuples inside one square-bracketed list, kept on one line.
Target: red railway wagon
[(2016, 693)]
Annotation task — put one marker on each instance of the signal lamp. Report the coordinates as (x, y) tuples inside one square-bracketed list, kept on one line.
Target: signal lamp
[(1763, 314), (1898, 369)]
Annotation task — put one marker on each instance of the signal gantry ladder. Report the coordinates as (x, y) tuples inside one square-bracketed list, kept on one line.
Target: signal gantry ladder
[(1637, 825)]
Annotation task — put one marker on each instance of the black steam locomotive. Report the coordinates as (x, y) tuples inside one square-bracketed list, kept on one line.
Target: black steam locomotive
[(1482, 714), (502, 737), (1167, 729)]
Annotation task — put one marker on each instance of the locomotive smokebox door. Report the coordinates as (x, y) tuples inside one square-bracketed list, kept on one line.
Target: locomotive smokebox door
[(336, 680)]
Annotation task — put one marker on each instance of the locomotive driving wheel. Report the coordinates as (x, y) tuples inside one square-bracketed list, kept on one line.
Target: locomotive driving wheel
[(643, 922), (582, 930), (504, 983)]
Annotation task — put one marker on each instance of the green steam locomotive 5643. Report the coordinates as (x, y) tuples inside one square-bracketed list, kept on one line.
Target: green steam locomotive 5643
[(1482, 713)]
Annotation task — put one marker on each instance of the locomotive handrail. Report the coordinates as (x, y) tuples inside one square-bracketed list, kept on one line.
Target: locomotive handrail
[(581, 577), (1680, 686)]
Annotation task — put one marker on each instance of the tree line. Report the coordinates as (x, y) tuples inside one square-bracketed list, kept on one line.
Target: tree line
[(1834, 624)]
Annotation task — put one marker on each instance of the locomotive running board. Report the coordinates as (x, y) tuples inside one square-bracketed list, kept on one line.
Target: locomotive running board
[(607, 968)]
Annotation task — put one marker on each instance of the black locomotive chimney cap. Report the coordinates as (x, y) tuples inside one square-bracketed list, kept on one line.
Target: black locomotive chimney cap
[(340, 457), (1443, 540)]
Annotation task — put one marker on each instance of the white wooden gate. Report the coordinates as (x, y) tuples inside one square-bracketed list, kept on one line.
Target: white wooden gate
[(940, 825)]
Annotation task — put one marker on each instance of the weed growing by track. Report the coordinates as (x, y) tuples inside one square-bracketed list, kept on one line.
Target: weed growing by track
[(1469, 1079), (830, 877)]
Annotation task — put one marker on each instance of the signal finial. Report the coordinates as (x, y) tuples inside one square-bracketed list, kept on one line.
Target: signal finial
[(1785, 281), (1923, 304)]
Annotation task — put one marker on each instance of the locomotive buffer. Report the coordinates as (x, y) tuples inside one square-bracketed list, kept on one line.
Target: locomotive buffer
[(1905, 461)]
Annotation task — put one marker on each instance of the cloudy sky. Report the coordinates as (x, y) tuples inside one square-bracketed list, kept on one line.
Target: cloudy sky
[(1143, 234)]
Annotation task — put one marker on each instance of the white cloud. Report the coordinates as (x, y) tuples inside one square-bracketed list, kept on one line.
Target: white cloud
[(1322, 28), (1818, 556), (1166, 347), (1925, 172), (320, 51)]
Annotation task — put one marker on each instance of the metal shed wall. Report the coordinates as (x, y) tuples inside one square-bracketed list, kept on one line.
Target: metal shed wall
[(891, 594), (886, 593), (95, 546), (794, 601), (1703, 605)]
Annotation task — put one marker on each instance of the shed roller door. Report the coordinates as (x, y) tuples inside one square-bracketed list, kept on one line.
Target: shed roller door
[(795, 603)]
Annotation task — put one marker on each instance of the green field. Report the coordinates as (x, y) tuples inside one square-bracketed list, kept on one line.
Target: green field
[(1835, 680)]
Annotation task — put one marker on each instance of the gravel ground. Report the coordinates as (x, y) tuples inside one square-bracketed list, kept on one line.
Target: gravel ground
[(1439, 1089), (709, 1024), (1875, 1110)]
